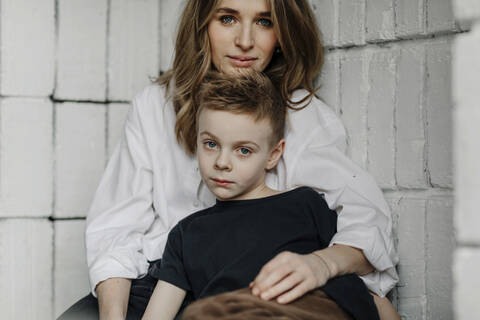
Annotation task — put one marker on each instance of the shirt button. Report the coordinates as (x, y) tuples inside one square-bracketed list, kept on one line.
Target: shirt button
[(195, 204)]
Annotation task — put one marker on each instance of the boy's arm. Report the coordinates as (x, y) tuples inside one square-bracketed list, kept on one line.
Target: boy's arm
[(113, 298), (165, 302)]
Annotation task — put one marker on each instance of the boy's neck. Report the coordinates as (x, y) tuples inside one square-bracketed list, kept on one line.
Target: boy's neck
[(261, 191)]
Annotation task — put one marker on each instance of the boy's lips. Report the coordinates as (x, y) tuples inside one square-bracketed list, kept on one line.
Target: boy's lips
[(221, 182)]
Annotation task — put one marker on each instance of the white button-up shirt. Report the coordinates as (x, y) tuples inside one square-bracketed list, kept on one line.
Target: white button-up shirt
[(151, 183)]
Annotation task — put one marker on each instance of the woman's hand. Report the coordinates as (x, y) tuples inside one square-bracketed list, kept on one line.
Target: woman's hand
[(289, 276)]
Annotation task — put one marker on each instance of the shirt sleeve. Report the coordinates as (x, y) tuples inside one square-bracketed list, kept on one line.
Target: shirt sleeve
[(364, 219), (171, 268), (121, 211)]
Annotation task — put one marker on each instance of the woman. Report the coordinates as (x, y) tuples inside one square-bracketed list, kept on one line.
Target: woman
[(152, 181)]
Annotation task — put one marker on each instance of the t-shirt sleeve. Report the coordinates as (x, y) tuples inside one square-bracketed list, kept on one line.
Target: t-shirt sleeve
[(324, 218), (171, 268)]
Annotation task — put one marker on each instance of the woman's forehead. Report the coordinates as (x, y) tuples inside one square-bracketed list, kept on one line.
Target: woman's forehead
[(258, 6)]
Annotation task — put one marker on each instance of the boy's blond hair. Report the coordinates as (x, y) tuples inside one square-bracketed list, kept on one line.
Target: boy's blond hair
[(252, 94)]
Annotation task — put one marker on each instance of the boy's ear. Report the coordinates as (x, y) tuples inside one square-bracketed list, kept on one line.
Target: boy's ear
[(275, 154)]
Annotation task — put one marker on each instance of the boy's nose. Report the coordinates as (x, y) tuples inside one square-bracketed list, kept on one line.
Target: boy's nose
[(223, 163)]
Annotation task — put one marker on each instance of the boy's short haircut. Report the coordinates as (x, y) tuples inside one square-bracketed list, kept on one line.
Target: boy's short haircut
[(252, 94)]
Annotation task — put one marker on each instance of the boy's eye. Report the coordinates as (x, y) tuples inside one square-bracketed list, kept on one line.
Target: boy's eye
[(227, 19), (244, 151), (265, 22), (210, 145)]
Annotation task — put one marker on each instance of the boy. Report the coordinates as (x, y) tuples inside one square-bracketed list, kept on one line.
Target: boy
[(240, 126)]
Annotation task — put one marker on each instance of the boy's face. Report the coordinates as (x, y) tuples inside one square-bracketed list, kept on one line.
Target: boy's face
[(234, 153)]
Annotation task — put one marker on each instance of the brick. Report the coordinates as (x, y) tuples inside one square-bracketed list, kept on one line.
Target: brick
[(117, 113), (71, 273), (133, 46), (353, 104), (466, 68), (440, 16), (439, 113), (170, 11), (80, 156), (467, 175), (380, 110), (440, 247), (329, 81), (411, 234), (410, 17), (26, 160), (380, 22), (410, 133), (466, 9), (412, 308), (27, 47), (26, 269), (82, 32), (351, 22), (326, 13), (467, 282)]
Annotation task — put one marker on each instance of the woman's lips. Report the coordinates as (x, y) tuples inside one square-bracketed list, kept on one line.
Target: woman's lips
[(242, 61), (221, 182)]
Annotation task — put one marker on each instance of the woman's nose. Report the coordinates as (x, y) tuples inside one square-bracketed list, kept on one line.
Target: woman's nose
[(244, 38), (223, 162)]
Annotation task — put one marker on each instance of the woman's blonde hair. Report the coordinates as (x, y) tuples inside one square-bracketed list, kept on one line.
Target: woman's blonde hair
[(295, 66)]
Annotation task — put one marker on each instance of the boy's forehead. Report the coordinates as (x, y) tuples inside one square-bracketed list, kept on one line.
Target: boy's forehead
[(230, 125)]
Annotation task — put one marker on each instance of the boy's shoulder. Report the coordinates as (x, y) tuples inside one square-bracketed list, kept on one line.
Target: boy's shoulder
[(185, 222)]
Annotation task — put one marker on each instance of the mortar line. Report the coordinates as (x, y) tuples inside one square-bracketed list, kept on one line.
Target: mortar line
[(425, 111), (54, 153), (107, 81), (419, 37)]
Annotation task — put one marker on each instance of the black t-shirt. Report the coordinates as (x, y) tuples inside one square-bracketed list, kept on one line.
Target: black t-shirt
[(223, 248)]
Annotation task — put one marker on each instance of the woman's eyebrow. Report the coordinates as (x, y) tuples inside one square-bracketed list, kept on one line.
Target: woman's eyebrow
[(233, 11)]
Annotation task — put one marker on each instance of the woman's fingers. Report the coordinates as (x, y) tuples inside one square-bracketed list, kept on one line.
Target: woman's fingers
[(272, 272), (298, 291), (284, 285)]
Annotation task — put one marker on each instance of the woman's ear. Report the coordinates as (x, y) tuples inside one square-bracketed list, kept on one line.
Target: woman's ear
[(276, 154)]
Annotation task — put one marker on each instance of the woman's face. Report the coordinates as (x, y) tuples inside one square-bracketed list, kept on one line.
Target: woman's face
[(241, 36)]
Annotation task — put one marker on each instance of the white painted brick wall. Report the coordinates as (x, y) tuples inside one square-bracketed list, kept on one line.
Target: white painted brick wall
[(326, 13), (351, 24), (26, 269), (411, 233), (380, 119), (117, 113), (380, 22), (26, 157), (466, 76), (409, 119), (329, 81), (439, 253), (439, 113), (80, 156), (27, 47), (82, 32), (410, 17), (353, 103), (170, 11), (71, 273), (133, 46), (397, 118), (440, 16), (467, 262)]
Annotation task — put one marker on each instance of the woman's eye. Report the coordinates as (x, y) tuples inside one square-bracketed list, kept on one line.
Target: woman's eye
[(227, 19), (244, 151), (210, 145), (265, 22)]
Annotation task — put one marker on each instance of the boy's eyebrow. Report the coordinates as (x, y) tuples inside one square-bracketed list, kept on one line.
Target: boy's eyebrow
[(233, 11), (236, 142)]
